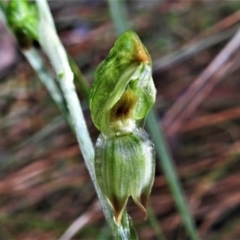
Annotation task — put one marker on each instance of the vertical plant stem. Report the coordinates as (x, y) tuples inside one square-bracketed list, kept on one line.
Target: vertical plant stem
[(168, 167), (155, 225), (58, 57), (45, 77), (37, 64), (2, 12), (79, 78), (118, 14)]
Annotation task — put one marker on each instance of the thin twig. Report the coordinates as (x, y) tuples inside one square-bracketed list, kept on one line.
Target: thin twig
[(212, 119), (184, 106), (219, 26), (80, 222), (200, 42), (191, 49), (227, 69)]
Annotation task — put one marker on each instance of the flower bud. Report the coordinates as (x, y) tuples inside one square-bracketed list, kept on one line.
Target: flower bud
[(122, 94), (22, 17), (125, 166), (127, 69)]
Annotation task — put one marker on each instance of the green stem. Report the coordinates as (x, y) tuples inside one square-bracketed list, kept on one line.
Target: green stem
[(37, 64), (118, 14), (2, 12), (45, 77), (168, 167), (155, 225), (58, 57), (79, 79)]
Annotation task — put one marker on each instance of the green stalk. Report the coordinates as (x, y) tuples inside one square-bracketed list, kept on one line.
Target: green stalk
[(37, 64), (166, 161), (2, 12), (118, 14), (79, 79), (45, 77), (53, 48), (155, 225), (162, 150)]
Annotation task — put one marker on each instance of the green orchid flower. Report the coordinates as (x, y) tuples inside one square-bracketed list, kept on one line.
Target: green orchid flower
[(121, 96)]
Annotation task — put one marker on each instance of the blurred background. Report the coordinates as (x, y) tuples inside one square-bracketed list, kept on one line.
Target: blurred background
[(44, 185)]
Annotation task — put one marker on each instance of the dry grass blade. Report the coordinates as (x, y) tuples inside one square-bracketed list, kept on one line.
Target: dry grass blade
[(80, 222), (184, 106), (209, 120)]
